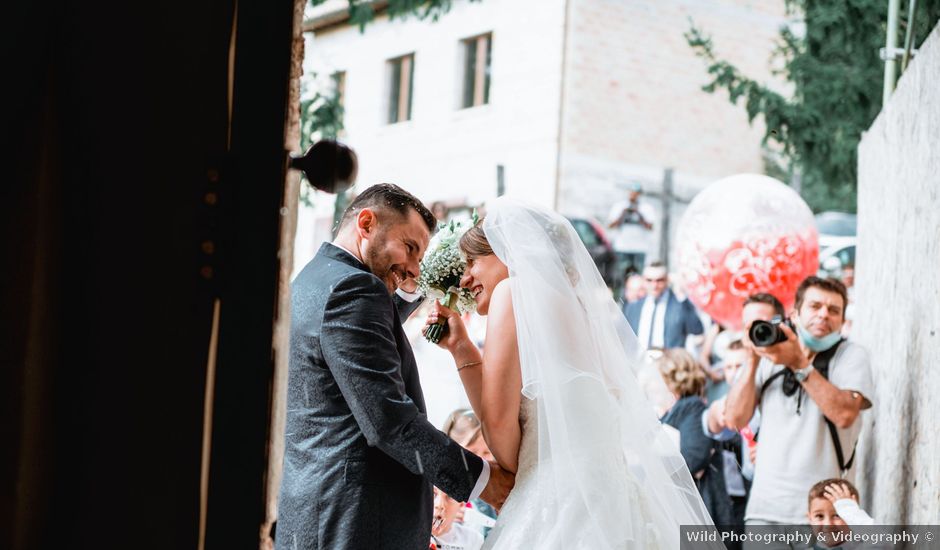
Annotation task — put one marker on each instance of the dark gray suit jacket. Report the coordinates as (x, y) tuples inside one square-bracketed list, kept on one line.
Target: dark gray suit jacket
[(360, 455), (681, 320), (701, 454)]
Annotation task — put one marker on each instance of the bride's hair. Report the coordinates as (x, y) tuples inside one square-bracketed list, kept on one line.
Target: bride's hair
[(474, 244)]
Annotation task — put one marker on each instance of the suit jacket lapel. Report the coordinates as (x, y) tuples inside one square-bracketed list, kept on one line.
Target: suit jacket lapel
[(408, 365)]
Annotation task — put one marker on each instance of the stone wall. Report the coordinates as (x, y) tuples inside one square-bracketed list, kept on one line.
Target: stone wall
[(285, 256), (898, 295)]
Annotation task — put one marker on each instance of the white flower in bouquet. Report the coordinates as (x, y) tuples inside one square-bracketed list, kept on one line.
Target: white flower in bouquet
[(441, 270)]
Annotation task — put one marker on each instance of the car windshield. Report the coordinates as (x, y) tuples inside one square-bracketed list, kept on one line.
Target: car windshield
[(836, 224), (586, 232)]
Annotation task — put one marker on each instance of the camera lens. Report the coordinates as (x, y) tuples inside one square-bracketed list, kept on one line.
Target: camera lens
[(763, 334)]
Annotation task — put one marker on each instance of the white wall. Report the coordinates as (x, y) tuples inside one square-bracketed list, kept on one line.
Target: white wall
[(898, 294), (314, 226), (445, 152)]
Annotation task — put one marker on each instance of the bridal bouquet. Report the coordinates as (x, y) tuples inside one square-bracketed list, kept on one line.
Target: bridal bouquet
[(441, 270)]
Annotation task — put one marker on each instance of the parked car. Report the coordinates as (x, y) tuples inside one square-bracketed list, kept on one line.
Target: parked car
[(837, 240), (834, 258), (595, 240)]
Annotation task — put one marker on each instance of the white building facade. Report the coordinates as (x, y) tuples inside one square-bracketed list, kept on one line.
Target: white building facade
[(577, 100)]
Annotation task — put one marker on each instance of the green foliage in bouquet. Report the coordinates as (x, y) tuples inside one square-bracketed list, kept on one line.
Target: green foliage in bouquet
[(441, 270)]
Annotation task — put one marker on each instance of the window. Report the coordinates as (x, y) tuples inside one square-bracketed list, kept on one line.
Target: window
[(339, 87), (476, 79), (339, 101), (401, 76)]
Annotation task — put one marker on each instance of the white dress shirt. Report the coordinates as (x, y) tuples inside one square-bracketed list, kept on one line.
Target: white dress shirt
[(648, 323)]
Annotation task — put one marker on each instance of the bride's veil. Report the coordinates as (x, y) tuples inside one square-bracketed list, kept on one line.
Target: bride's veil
[(600, 443)]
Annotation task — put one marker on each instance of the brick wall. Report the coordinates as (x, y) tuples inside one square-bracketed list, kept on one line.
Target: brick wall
[(634, 103)]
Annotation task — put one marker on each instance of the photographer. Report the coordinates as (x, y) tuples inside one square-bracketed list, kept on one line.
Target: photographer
[(631, 222), (811, 386)]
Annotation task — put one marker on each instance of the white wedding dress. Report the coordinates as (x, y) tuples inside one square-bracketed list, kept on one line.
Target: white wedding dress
[(596, 469), (530, 513)]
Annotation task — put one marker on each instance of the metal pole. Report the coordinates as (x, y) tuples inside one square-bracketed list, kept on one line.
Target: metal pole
[(891, 62), (909, 34), (664, 224), (500, 180)]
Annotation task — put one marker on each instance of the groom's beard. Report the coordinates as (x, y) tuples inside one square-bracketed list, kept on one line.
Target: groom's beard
[(378, 262)]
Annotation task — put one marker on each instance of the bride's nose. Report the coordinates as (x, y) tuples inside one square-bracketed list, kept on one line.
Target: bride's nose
[(465, 279)]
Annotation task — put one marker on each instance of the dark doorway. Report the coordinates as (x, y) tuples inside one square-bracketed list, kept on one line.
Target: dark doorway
[(142, 197)]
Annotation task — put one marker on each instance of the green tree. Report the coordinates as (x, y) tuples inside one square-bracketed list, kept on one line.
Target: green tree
[(837, 78), (321, 117), (362, 12)]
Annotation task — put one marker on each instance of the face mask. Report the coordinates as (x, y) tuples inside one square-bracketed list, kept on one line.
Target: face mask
[(817, 344)]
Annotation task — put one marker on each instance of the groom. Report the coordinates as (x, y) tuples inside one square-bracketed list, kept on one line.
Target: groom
[(361, 457)]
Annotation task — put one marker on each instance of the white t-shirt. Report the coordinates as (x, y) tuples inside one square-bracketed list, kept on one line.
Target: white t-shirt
[(795, 451), (630, 235)]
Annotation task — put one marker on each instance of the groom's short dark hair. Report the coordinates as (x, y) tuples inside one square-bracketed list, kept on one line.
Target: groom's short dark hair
[(389, 197)]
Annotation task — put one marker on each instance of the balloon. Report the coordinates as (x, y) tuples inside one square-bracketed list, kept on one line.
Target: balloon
[(742, 235)]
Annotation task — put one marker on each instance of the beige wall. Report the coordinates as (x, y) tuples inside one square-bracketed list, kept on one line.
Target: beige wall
[(898, 294)]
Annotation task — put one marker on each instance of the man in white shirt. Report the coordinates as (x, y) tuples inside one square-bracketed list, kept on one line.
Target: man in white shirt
[(811, 389), (632, 225)]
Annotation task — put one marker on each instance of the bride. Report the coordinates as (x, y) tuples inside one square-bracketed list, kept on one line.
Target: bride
[(557, 395)]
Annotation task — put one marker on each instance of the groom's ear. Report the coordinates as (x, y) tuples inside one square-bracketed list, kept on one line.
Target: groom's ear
[(366, 222)]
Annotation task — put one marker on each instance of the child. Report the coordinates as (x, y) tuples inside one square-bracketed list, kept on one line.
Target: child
[(457, 526), (463, 427), (447, 530), (833, 507)]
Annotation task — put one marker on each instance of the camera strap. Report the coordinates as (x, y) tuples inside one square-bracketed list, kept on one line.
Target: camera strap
[(821, 364)]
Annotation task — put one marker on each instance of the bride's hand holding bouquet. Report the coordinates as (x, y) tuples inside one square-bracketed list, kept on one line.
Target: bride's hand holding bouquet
[(455, 336), (441, 270)]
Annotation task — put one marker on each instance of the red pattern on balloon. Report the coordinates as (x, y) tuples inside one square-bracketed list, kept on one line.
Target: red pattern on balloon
[(774, 264), (743, 235)]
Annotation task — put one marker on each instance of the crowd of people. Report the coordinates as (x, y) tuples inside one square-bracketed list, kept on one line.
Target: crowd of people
[(768, 432), (763, 429)]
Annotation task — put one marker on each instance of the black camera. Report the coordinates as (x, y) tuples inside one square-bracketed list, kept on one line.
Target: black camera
[(768, 333)]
